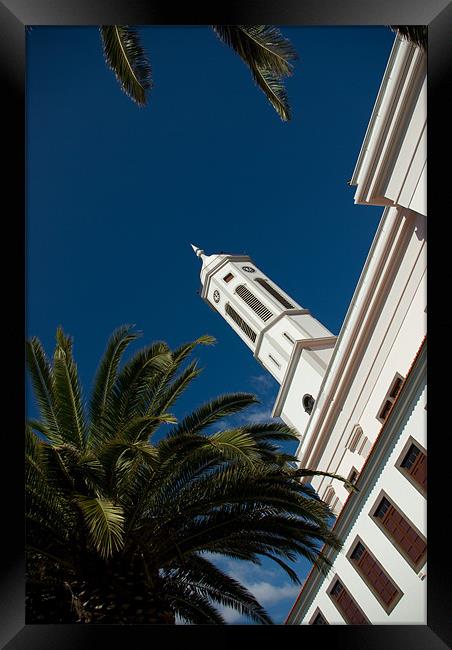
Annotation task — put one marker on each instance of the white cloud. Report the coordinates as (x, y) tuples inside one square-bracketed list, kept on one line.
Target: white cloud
[(264, 383), (231, 616), (257, 580), (267, 583), (269, 594), (253, 415)]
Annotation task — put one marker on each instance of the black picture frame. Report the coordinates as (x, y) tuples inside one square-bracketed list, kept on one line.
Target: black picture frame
[(15, 15)]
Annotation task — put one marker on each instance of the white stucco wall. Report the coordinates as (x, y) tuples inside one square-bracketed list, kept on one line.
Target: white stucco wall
[(395, 339), (411, 609)]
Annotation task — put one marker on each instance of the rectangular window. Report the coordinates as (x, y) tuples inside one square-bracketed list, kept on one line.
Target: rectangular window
[(352, 477), (403, 535), (395, 388), (255, 304), (228, 277), (289, 338), (273, 292), (346, 605), (385, 410), (251, 334), (390, 398), (274, 361), (413, 464), (373, 574)]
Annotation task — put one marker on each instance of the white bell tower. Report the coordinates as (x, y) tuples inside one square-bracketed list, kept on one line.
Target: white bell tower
[(290, 343)]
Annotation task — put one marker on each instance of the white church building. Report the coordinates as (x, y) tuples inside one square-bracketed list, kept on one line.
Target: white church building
[(358, 400)]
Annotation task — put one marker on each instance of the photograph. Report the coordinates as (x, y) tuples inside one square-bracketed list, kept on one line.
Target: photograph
[(225, 320)]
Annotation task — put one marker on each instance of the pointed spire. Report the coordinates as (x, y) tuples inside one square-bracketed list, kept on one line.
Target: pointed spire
[(198, 251)]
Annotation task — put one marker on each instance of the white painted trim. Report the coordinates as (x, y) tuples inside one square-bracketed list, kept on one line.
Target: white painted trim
[(305, 344), (380, 267), (396, 99), (224, 259), (287, 312)]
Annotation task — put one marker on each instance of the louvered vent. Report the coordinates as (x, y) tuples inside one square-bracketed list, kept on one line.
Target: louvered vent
[(273, 292), (251, 334), (255, 304)]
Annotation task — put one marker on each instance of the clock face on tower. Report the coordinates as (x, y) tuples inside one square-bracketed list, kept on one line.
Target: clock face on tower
[(216, 295), (249, 269)]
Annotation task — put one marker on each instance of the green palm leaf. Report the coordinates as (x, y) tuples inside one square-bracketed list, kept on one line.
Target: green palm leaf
[(67, 390), (191, 606), (213, 411), (164, 392), (102, 393), (43, 383), (260, 46), (105, 524), (268, 54), (135, 383), (141, 428), (126, 57), (209, 581)]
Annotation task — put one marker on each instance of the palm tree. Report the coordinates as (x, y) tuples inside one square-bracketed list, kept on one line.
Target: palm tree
[(121, 518), (262, 47)]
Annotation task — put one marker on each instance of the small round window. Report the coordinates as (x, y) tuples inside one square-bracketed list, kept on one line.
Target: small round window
[(308, 403)]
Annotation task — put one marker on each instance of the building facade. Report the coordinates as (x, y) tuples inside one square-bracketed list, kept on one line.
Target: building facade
[(358, 400)]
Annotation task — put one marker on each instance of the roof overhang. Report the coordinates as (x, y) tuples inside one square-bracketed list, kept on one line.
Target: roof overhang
[(404, 74)]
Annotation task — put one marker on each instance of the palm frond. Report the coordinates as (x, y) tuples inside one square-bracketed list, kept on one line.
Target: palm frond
[(213, 411), (32, 443), (290, 572), (104, 381), (43, 383), (105, 524), (68, 394), (127, 59), (416, 34), (167, 392), (181, 353), (274, 89), (142, 427), (135, 382), (302, 473), (268, 54), (191, 606), (58, 473), (259, 46), (235, 445), (209, 581)]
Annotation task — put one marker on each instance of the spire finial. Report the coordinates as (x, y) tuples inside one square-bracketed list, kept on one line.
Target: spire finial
[(198, 251)]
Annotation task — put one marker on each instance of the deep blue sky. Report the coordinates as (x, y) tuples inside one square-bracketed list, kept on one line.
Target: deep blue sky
[(116, 193)]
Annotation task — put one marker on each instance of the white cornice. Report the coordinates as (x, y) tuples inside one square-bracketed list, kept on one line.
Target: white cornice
[(404, 73), (223, 260), (287, 312), (305, 344)]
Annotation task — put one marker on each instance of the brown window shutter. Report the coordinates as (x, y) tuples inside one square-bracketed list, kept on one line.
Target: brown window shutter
[(404, 535), (347, 606), (419, 470), (376, 577)]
